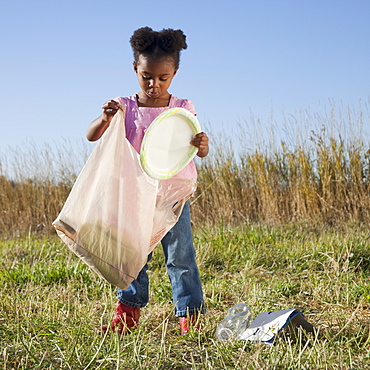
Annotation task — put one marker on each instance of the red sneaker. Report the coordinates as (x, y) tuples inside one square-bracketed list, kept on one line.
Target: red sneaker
[(187, 322), (125, 317)]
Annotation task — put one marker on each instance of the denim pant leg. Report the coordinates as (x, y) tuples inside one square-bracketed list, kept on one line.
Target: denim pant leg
[(137, 294), (181, 266)]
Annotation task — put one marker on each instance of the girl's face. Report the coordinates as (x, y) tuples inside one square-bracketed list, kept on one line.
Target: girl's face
[(155, 77)]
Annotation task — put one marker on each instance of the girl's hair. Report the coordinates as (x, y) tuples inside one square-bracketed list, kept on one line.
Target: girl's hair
[(158, 45)]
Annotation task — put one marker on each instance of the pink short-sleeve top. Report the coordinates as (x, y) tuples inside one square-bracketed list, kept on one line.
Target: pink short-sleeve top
[(138, 119)]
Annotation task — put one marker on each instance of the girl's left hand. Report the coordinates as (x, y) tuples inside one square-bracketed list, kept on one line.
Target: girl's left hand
[(201, 142)]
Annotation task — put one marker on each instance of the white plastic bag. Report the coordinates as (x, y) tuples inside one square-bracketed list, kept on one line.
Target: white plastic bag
[(116, 214)]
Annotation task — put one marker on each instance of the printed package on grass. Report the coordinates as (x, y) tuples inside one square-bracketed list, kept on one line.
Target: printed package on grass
[(116, 213)]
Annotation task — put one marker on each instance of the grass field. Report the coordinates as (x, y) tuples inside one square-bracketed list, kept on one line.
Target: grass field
[(51, 303), (277, 224)]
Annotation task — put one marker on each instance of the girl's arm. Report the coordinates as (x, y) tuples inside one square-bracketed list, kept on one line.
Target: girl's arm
[(201, 142), (100, 124)]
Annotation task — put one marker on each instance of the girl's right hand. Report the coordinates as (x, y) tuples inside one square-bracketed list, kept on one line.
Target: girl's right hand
[(100, 124), (110, 108)]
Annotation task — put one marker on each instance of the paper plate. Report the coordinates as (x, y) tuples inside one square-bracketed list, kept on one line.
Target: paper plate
[(166, 147)]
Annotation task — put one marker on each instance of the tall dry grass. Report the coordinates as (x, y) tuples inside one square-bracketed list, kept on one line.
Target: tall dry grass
[(34, 183), (315, 168)]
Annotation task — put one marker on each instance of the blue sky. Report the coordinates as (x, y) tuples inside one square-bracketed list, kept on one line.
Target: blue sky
[(60, 60)]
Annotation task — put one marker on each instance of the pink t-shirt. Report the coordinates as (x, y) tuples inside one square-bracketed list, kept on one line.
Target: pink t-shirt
[(138, 119)]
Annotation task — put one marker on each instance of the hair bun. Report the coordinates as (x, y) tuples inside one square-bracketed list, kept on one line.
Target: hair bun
[(153, 44), (143, 38), (172, 40)]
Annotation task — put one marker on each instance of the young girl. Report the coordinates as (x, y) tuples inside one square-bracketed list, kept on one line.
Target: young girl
[(156, 61)]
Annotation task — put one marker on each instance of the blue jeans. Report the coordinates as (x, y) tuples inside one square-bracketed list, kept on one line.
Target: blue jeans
[(182, 270)]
